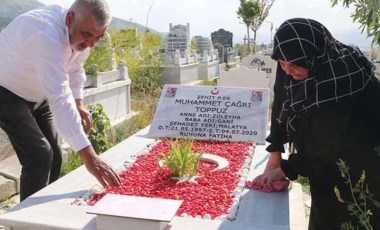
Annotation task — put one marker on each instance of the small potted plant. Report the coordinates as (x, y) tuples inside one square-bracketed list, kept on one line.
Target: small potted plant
[(181, 161)]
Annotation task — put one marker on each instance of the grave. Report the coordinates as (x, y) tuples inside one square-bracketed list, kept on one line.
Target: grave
[(53, 208), (269, 67), (222, 37), (203, 44), (190, 68), (222, 41), (209, 65), (243, 77), (138, 213), (221, 50)]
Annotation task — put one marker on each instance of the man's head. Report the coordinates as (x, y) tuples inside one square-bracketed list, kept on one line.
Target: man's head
[(87, 21)]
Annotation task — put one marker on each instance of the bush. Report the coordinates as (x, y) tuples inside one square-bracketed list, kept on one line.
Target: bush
[(100, 127), (102, 55), (136, 50), (181, 160), (98, 136), (144, 74)]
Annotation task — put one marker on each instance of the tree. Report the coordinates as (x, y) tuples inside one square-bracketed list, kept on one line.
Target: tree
[(137, 51), (367, 13), (265, 6), (151, 42), (102, 54), (248, 12)]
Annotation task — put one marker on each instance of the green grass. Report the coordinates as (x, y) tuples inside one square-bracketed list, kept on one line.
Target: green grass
[(207, 82), (72, 163)]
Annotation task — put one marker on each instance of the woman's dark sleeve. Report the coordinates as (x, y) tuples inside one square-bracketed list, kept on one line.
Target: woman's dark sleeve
[(323, 137), (345, 130), (278, 135)]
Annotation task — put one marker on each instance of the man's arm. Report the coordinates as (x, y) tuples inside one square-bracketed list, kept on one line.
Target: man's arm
[(103, 172), (85, 115), (49, 61)]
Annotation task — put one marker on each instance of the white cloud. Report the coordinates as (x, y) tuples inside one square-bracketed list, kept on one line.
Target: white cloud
[(335, 18)]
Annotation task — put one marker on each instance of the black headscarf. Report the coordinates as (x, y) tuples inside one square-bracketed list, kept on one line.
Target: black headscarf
[(336, 71)]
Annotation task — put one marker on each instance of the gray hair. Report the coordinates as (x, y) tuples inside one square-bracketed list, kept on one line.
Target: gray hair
[(99, 9)]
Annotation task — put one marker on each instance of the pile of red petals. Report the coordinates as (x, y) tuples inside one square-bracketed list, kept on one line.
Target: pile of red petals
[(210, 197)]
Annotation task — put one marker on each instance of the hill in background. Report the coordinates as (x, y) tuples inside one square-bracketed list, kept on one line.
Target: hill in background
[(124, 24), (9, 9)]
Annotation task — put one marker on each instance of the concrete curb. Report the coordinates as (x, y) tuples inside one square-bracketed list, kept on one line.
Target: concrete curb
[(297, 214), (10, 169)]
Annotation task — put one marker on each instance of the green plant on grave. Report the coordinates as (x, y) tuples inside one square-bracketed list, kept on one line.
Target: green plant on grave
[(357, 204), (98, 135), (181, 160)]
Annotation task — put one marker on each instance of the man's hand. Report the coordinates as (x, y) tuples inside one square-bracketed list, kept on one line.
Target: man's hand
[(85, 115), (98, 168)]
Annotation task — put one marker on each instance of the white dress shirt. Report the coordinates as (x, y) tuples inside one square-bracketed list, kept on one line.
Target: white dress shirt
[(37, 63)]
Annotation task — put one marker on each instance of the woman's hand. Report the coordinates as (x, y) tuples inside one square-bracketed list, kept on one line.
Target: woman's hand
[(269, 177), (273, 163)]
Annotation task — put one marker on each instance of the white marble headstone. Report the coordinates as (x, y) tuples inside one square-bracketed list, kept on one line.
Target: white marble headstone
[(211, 113)]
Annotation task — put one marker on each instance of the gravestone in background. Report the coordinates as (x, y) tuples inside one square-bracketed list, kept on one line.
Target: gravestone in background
[(221, 55), (178, 38), (203, 44), (269, 67), (222, 37)]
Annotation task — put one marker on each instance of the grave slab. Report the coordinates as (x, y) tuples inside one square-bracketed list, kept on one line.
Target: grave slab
[(116, 211), (51, 207)]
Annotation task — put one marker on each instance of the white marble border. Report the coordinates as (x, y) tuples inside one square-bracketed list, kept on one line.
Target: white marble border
[(50, 208)]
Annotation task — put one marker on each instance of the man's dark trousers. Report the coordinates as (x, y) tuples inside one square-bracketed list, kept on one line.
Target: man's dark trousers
[(30, 129)]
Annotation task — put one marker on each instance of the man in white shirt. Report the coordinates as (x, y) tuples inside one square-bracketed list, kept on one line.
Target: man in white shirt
[(41, 89)]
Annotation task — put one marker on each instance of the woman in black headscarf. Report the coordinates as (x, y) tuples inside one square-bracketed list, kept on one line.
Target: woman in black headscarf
[(327, 104)]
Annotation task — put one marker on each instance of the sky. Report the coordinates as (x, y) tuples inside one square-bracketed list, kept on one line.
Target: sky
[(207, 16)]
